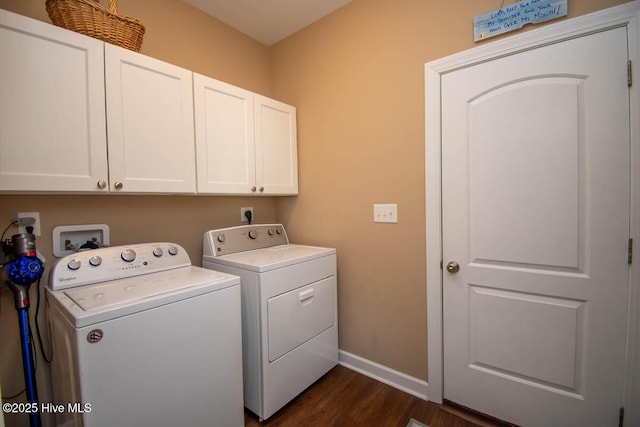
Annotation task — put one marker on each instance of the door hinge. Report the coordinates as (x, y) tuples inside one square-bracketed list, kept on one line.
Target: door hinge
[(629, 73), (630, 251), (621, 418)]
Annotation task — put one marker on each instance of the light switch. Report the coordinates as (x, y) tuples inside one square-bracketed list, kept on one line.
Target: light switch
[(385, 213)]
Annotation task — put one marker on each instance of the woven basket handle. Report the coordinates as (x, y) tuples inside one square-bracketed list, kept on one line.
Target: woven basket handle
[(113, 6)]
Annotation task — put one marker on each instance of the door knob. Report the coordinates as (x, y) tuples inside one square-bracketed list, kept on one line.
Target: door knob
[(453, 267)]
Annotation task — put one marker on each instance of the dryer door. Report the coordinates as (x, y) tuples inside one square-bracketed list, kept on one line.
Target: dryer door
[(297, 316)]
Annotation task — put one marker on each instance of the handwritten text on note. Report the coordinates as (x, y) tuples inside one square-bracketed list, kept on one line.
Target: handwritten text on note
[(516, 16)]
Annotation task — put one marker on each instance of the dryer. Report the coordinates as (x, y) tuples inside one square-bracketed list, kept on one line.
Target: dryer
[(143, 338), (289, 310)]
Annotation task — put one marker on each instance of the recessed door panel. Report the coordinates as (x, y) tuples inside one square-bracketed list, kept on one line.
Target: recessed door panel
[(530, 338), (526, 154)]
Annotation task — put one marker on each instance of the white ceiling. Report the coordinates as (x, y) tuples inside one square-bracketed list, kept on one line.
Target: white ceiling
[(268, 21)]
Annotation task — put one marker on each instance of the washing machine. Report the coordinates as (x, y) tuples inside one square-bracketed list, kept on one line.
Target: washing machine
[(289, 310), (143, 338)]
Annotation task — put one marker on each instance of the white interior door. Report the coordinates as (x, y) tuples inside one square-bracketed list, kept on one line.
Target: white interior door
[(535, 211)]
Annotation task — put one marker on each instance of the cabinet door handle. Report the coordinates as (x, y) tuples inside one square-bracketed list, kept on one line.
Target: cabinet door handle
[(118, 185), (102, 184), (261, 189), (253, 189)]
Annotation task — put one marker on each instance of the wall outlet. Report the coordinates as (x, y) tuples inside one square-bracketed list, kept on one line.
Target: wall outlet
[(22, 228), (244, 218), (385, 213)]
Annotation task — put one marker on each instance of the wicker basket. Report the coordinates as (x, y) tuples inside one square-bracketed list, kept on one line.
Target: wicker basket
[(90, 18)]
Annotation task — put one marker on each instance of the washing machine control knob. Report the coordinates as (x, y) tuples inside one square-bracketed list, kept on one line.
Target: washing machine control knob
[(253, 235), (128, 255), (220, 238), (173, 250), (270, 232), (74, 264), (95, 261), (157, 252)]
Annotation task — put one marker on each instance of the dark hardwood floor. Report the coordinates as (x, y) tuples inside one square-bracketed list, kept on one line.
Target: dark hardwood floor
[(346, 398)]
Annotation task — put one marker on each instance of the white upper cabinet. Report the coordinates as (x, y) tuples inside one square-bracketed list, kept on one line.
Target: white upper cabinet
[(276, 146), (52, 112), (81, 115), (149, 124), (225, 149), (245, 143)]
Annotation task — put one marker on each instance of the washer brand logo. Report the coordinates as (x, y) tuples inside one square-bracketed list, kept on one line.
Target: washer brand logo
[(94, 336), (67, 279)]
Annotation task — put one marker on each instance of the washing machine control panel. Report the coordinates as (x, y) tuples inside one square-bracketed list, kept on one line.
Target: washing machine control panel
[(225, 241), (116, 262)]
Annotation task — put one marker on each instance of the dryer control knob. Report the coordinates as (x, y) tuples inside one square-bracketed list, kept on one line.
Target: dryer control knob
[(128, 255), (157, 252), (95, 261), (74, 264), (253, 234), (220, 238), (173, 250)]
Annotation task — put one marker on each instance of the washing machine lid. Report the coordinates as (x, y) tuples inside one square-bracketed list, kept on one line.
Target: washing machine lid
[(267, 259), (86, 305)]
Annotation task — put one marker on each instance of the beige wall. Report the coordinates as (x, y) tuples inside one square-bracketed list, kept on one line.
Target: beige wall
[(356, 78)]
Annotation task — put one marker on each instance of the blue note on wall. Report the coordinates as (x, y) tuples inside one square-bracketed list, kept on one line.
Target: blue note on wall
[(517, 15)]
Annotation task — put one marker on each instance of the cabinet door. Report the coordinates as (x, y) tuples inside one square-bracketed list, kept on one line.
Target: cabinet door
[(276, 147), (52, 114), (149, 124), (224, 137)]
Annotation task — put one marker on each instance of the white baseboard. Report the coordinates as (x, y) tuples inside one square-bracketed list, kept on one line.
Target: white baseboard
[(414, 386)]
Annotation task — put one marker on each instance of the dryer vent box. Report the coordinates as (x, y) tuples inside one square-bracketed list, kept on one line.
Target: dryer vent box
[(68, 239)]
